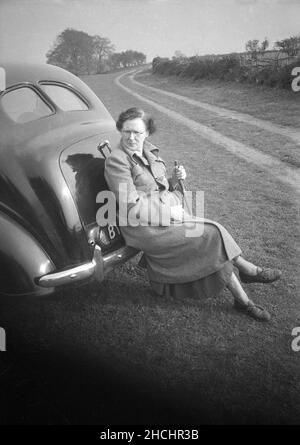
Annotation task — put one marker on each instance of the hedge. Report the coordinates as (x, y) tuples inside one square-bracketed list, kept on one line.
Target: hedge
[(226, 68)]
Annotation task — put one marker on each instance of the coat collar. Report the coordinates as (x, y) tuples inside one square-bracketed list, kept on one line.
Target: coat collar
[(150, 158), (150, 154)]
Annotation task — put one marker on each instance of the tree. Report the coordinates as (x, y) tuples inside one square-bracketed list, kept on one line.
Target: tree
[(253, 46), (72, 50), (102, 49), (140, 58), (264, 45), (291, 46), (81, 53), (179, 55), (127, 58)]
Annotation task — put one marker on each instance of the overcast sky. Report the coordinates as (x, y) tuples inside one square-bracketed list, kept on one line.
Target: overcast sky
[(156, 27)]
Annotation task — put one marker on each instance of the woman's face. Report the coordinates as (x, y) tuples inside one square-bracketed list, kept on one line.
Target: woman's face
[(134, 133)]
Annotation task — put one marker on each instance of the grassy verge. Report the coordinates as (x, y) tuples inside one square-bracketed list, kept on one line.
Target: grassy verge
[(265, 141), (276, 105)]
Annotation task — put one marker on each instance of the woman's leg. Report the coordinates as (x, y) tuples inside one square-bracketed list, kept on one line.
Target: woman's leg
[(249, 273), (237, 291), (246, 267), (243, 303)]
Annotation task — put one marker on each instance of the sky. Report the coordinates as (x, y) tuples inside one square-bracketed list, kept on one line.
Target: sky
[(28, 28)]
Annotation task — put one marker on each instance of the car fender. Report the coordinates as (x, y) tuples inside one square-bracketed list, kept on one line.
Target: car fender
[(22, 260)]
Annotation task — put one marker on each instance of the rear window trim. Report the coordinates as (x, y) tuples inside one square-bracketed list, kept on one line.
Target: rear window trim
[(36, 90), (69, 87)]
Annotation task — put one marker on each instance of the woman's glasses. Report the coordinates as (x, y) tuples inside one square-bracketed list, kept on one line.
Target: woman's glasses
[(135, 133)]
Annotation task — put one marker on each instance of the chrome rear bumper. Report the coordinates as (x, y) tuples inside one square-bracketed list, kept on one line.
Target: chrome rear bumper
[(97, 268)]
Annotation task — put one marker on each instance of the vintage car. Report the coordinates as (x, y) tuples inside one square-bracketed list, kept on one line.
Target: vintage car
[(51, 124)]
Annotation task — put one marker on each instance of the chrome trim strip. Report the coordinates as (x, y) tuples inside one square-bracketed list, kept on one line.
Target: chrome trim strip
[(67, 276), (98, 264), (97, 267), (117, 257)]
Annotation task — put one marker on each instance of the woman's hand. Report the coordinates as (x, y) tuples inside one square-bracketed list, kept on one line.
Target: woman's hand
[(177, 213), (179, 173)]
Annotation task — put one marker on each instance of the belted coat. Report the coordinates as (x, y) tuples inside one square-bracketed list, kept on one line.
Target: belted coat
[(171, 255)]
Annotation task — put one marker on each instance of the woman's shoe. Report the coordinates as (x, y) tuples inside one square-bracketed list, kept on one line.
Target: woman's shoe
[(253, 310), (264, 276)]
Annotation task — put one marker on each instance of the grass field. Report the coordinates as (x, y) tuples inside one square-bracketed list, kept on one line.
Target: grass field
[(275, 105), (120, 354)]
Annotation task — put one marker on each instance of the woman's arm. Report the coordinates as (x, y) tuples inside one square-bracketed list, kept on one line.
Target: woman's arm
[(139, 206)]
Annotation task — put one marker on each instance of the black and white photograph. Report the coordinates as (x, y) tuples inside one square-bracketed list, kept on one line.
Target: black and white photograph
[(149, 215)]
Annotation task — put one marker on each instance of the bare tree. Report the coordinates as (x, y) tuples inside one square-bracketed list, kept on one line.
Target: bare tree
[(291, 46), (254, 48)]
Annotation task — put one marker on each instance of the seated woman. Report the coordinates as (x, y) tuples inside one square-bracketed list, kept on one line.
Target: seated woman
[(177, 264)]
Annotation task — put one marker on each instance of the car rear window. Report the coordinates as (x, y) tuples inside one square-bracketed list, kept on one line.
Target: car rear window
[(64, 98), (24, 105)]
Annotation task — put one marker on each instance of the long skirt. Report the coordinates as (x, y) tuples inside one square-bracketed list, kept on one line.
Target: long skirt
[(210, 285)]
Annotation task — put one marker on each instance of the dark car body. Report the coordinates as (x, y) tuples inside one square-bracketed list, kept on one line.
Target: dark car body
[(51, 124)]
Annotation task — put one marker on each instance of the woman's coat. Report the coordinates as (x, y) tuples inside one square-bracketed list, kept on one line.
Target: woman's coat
[(173, 255)]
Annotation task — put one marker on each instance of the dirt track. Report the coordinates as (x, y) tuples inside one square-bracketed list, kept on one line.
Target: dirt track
[(293, 134), (284, 173)]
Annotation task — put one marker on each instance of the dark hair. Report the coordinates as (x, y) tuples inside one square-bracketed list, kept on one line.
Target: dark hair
[(134, 113)]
